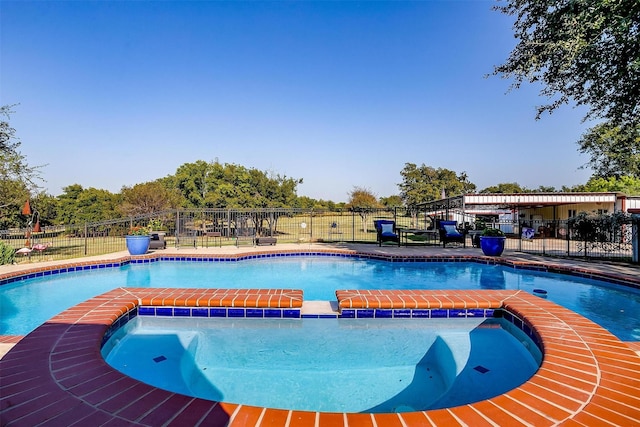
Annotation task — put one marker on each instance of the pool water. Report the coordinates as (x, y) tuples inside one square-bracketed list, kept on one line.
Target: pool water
[(25, 305), (328, 365)]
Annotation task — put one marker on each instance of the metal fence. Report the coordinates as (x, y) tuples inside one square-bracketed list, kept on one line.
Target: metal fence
[(219, 227)]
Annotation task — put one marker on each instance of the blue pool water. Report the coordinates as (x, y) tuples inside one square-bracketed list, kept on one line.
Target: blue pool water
[(328, 365), (25, 305)]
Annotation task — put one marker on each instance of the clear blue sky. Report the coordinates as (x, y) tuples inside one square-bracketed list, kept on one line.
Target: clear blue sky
[(340, 94)]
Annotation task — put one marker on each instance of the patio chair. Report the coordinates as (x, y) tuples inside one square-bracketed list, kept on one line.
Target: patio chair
[(245, 231), (386, 231), (449, 233), (157, 241)]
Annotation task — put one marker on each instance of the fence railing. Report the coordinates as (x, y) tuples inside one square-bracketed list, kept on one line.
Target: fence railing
[(552, 238)]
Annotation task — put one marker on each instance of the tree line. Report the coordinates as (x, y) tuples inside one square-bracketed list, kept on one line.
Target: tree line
[(215, 185)]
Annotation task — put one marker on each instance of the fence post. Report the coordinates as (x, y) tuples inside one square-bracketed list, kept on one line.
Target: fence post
[(353, 226), (86, 237), (568, 239), (635, 240)]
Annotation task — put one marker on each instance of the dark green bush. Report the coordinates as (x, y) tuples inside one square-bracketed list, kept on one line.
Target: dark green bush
[(7, 254), (492, 232)]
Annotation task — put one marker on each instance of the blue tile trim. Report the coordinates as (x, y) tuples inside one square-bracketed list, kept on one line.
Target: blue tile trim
[(181, 312), (235, 312), (147, 311), (254, 312), (348, 314), (291, 313), (383, 313), (272, 312), (199, 312), (401, 313), (365, 314), (217, 312), (419, 313), (164, 311)]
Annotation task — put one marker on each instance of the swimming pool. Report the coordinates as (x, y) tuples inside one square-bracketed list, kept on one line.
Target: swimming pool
[(27, 304), (328, 365)]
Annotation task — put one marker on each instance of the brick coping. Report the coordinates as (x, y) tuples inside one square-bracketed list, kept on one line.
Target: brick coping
[(56, 376)]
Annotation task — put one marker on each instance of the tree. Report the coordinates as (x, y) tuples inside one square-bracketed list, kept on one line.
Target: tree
[(587, 51), (147, 198), (505, 188), (364, 203), (191, 180), (425, 183), (614, 151), (214, 185), (391, 201), (77, 205), (18, 180), (625, 184)]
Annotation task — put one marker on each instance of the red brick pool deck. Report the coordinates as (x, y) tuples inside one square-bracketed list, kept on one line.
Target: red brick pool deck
[(55, 376)]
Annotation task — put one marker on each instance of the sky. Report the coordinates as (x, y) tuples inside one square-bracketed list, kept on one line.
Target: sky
[(338, 94)]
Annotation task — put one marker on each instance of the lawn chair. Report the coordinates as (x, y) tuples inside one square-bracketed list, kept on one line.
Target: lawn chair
[(386, 231), (449, 233), (245, 231)]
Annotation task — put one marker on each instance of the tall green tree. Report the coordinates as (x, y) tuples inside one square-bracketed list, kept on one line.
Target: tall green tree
[(147, 198), (77, 205), (423, 183), (505, 188), (191, 180), (614, 151), (391, 201), (216, 185), (624, 184), (18, 180), (364, 203), (585, 51)]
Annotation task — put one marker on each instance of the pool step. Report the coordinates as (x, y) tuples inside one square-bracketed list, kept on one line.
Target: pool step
[(319, 308)]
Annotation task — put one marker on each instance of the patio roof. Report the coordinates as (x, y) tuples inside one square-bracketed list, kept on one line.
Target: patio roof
[(495, 201)]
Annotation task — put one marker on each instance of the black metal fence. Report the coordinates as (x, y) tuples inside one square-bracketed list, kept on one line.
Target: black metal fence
[(219, 227)]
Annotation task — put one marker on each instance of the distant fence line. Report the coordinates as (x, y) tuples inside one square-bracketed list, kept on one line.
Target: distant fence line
[(545, 237)]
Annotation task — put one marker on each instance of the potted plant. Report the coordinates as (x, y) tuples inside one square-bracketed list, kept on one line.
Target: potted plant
[(138, 240), (492, 241)]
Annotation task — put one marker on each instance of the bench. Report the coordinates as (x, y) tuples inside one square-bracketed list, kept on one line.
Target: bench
[(266, 241)]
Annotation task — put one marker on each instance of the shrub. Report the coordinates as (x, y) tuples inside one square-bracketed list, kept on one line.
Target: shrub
[(7, 254), (492, 232)]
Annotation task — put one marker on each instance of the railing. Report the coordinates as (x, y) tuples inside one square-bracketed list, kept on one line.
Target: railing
[(552, 238)]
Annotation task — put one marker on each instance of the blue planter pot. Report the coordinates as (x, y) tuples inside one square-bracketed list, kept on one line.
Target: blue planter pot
[(138, 245), (492, 245)]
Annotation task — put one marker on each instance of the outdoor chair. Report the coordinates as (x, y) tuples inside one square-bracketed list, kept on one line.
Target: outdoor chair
[(386, 231), (245, 231), (157, 241), (449, 233)]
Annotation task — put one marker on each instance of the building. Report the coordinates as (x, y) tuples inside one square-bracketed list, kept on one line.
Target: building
[(544, 212)]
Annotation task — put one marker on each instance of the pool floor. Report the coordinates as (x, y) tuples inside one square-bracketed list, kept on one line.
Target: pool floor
[(56, 376)]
